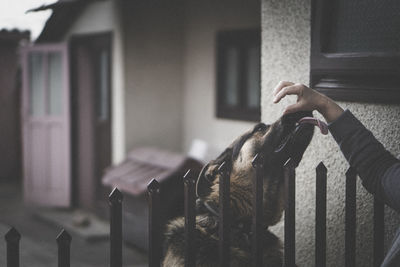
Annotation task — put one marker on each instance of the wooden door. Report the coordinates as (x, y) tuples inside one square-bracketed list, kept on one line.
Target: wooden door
[(46, 125)]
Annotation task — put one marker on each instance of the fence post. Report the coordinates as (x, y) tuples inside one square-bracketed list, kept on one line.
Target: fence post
[(290, 213), (224, 215), (115, 201), (153, 189), (64, 243), (257, 205), (379, 232), (320, 215), (350, 218), (12, 239), (190, 218)]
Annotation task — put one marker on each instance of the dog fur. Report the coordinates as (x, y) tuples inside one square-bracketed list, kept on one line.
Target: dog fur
[(276, 143)]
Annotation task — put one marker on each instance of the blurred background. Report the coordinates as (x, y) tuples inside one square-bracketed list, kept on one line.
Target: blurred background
[(103, 94), (96, 94)]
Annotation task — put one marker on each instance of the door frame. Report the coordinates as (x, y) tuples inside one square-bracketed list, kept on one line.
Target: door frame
[(88, 194)]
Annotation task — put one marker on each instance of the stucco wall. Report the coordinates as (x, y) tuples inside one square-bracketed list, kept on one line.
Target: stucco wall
[(202, 20), (98, 17), (285, 56), (153, 67)]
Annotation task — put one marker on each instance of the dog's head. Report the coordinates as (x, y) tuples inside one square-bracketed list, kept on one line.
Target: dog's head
[(276, 143)]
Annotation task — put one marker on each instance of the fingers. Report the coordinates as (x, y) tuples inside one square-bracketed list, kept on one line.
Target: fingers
[(281, 85), (292, 108), (289, 90)]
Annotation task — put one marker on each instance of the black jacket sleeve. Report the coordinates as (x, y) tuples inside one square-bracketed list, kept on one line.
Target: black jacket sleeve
[(378, 169)]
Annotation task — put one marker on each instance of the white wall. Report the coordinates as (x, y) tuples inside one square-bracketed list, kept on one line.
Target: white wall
[(202, 21), (153, 65), (285, 56), (98, 17), (170, 71)]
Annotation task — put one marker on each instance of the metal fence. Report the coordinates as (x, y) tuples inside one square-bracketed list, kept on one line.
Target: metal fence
[(155, 225)]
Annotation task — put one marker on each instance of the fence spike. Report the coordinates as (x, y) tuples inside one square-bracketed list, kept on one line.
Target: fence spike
[(12, 238), (222, 167), (290, 214), (63, 237), (190, 218), (351, 172), (257, 161), (153, 189), (224, 215), (115, 201), (257, 209), (320, 215), (153, 186), (321, 168), (115, 196), (64, 243), (187, 175), (379, 232), (350, 218)]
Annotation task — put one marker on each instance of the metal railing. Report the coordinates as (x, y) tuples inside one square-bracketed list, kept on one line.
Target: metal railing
[(13, 237)]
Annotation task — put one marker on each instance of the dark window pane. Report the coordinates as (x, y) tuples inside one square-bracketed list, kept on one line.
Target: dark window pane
[(36, 84), (231, 76), (253, 77), (56, 83), (365, 26), (238, 74)]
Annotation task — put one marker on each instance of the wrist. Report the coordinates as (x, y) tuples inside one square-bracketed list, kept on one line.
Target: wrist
[(322, 104), (329, 109)]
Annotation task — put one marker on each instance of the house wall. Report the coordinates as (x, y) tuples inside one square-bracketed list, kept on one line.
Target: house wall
[(170, 71), (202, 21), (10, 133), (285, 56), (99, 17), (153, 65)]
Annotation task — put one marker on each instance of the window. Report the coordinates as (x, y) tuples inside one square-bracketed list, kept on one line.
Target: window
[(355, 52), (46, 82), (238, 75)]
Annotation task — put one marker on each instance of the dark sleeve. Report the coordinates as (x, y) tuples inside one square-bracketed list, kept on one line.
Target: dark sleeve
[(378, 169)]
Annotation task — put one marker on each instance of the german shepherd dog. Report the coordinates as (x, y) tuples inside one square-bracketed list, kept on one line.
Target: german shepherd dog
[(284, 139)]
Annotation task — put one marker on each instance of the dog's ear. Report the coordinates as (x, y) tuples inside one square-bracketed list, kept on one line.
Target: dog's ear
[(209, 173)]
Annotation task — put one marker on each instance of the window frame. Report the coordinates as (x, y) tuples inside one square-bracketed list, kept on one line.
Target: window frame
[(244, 39), (372, 77)]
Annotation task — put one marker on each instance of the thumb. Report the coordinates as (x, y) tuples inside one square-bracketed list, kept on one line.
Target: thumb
[(292, 108)]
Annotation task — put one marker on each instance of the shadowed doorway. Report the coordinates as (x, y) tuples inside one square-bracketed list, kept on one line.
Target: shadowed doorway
[(91, 116)]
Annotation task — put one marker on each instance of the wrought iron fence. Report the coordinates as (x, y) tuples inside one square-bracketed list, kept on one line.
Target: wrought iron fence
[(13, 237)]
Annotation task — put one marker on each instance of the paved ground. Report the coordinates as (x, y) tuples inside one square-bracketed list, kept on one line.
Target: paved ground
[(38, 246)]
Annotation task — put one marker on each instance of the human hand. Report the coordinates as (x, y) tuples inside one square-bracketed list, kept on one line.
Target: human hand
[(307, 100)]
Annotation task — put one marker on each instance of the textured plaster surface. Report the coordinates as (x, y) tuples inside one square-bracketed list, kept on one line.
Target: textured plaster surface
[(285, 56)]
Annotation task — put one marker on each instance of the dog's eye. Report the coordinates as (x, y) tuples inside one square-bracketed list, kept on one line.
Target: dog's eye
[(261, 127)]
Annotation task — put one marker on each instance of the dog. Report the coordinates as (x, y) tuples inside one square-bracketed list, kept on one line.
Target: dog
[(285, 139)]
